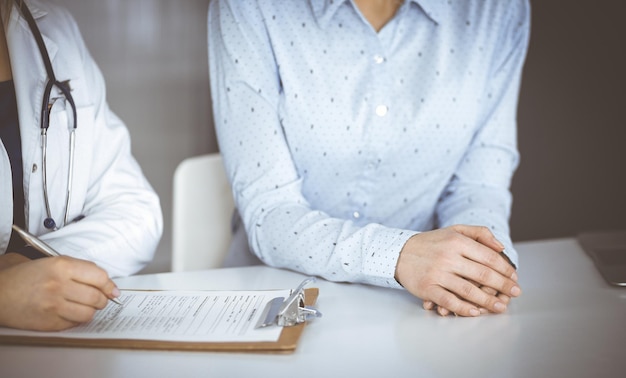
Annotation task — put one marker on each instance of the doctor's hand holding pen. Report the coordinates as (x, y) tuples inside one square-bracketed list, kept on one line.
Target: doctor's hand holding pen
[(51, 294)]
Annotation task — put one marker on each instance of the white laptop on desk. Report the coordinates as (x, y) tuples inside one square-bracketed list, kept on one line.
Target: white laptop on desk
[(608, 251)]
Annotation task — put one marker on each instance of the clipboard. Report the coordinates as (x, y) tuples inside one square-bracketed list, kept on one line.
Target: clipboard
[(286, 343)]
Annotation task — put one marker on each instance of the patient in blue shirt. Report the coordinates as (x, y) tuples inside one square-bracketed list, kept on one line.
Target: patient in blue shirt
[(375, 141)]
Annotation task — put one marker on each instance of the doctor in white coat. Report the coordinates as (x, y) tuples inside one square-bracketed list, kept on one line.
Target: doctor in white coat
[(112, 222)]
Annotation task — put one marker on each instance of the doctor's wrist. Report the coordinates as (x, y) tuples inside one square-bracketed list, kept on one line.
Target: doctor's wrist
[(10, 259), (29, 252)]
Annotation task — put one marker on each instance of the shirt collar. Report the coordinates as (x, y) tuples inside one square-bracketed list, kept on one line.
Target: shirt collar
[(324, 10)]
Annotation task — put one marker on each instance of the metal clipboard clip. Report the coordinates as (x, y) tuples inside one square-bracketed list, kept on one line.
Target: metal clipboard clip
[(290, 311)]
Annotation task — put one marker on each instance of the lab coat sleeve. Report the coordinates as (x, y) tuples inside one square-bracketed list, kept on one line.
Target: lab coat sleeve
[(122, 221)]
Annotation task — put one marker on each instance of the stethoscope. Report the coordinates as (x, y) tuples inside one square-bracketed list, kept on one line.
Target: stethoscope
[(46, 107)]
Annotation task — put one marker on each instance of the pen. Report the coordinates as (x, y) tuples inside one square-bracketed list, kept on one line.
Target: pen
[(35, 242), (42, 247)]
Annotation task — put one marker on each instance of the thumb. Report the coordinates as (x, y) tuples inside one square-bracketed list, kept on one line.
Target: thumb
[(480, 234)]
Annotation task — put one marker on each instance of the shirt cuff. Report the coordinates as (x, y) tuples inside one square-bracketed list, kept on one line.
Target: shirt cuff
[(380, 263)]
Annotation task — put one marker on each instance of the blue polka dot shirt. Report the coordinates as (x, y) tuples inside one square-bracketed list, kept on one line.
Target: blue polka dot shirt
[(341, 142)]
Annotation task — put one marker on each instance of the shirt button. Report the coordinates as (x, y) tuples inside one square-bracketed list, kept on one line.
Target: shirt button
[(34, 168), (381, 110), (378, 59), (356, 215)]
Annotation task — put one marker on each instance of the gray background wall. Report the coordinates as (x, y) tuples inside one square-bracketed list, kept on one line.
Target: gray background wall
[(572, 121), (571, 114)]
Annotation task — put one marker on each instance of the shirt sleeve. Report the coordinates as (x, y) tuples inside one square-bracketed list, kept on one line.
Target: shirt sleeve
[(283, 229), (478, 193)]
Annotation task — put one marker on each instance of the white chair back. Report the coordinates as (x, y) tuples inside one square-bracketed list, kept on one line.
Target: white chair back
[(202, 210)]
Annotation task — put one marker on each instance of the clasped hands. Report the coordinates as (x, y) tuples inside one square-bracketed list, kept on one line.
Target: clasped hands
[(458, 269)]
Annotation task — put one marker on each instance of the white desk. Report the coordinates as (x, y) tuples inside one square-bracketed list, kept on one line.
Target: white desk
[(567, 323)]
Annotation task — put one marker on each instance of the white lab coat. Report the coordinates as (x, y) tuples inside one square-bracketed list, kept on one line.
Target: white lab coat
[(122, 221)]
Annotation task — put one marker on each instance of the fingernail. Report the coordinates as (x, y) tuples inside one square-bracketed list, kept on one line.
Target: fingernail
[(514, 276), (499, 306), (500, 245), (115, 292), (474, 312), (515, 291)]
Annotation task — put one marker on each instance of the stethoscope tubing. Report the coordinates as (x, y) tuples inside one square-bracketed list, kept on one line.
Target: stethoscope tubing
[(46, 108), (70, 175)]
